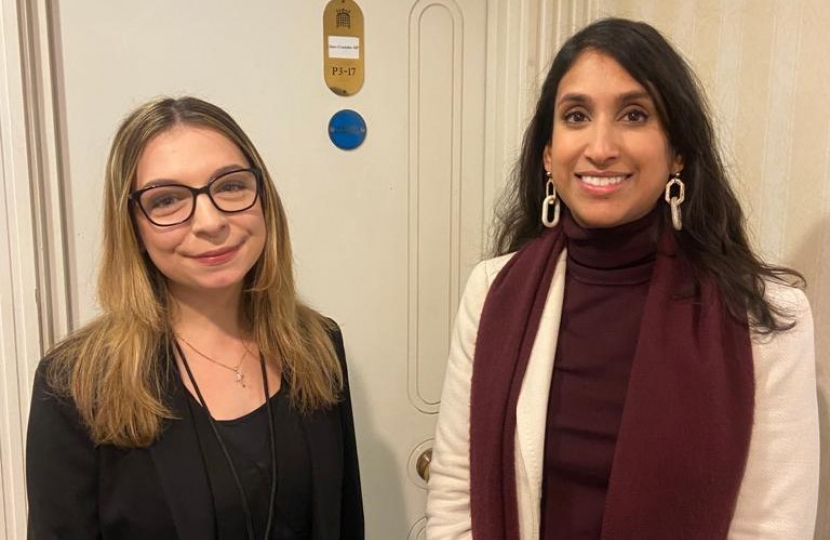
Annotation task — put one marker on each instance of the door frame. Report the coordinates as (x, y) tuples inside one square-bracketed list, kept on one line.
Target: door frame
[(20, 322)]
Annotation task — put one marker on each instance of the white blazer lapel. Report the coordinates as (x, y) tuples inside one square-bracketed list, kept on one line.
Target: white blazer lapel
[(532, 407)]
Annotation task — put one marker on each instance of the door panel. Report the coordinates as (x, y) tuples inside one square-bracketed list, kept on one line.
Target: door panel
[(384, 236)]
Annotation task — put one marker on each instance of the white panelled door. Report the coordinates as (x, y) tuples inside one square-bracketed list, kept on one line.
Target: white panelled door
[(384, 236)]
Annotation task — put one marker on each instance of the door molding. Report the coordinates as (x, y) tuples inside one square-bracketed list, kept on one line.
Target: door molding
[(45, 114), (35, 311), (20, 340)]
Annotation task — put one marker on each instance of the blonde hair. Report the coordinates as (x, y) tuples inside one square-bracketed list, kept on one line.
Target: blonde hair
[(115, 368)]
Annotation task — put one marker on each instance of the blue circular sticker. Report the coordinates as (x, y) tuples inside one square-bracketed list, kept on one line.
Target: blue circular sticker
[(347, 129)]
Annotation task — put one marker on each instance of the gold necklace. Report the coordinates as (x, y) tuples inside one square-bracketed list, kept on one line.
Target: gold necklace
[(240, 377)]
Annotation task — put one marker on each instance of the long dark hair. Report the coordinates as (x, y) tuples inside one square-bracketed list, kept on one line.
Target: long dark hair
[(713, 238)]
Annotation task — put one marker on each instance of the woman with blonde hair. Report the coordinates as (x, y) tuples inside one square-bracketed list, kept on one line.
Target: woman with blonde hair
[(206, 401)]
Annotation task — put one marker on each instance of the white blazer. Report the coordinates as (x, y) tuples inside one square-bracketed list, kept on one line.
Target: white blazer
[(778, 497)]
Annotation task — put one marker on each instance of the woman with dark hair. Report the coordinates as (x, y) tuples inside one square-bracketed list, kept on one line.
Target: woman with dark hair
[(626, 367), (206, 401)]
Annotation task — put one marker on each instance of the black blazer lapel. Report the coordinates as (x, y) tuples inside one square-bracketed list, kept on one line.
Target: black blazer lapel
[(325, 446), (182, 474)]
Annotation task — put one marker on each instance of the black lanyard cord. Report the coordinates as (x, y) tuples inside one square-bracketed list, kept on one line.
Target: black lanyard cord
[(271, 439)]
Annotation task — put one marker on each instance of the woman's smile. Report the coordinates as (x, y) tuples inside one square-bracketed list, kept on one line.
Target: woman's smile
[(602, 183), (217, 256)]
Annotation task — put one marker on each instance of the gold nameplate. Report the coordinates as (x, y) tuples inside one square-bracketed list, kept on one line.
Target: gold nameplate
[(343, 47)]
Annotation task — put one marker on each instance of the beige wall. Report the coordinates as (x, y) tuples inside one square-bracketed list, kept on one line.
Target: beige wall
[(765, 65)]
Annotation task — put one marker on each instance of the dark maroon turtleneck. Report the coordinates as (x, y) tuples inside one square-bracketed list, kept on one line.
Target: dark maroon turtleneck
[(608, 273)]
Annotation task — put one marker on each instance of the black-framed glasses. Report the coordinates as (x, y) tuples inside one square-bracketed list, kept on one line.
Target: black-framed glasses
[(166, 205)]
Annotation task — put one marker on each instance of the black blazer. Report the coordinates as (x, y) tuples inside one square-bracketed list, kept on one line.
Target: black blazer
[(78, 491)]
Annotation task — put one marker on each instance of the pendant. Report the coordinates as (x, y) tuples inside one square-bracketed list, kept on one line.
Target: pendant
[(239, 378)]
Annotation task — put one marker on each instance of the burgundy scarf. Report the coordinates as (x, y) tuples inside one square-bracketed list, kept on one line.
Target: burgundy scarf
[(685, 430)]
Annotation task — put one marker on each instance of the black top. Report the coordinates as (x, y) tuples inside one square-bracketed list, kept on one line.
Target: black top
[(247, 440), (79, 491), (607, 278)]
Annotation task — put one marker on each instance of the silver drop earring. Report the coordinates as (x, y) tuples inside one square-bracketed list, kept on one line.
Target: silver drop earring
[(550, 200), (676, 201)]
